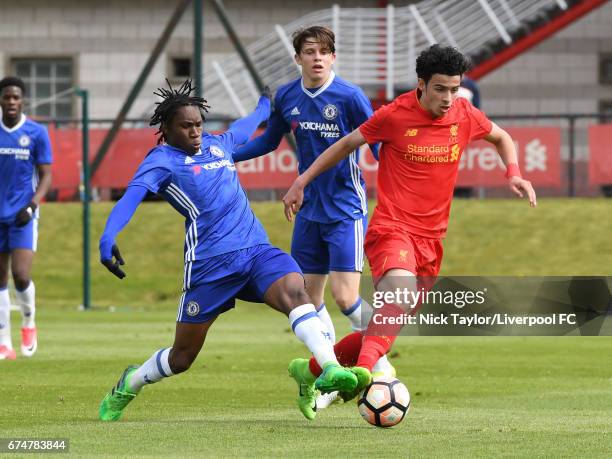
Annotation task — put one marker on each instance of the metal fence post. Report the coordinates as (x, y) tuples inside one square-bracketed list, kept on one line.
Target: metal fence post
[(571, 172), (84, 95)]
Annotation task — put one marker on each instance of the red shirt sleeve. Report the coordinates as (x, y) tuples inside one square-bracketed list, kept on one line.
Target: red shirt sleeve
[(480, 125), (373, 130)]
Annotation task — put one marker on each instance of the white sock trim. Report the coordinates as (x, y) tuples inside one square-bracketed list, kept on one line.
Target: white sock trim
[(26, 301), (5, 319), (301, 313), (310, 330)]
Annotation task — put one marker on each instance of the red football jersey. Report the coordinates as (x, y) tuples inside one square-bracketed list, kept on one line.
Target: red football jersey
[(419, 160)]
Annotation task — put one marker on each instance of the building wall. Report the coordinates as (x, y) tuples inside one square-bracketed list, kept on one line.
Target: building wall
[(110, 42), (560, 75)]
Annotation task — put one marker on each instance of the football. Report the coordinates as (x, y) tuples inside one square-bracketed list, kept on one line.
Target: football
[(385, 402)]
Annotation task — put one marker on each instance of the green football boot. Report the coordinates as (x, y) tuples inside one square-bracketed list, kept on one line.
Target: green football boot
[(336, 377), (117, 399), (364, 377), (299, 370)]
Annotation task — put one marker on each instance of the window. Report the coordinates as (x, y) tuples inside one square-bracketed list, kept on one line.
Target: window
[(605, 68), (48, 83), (181, 67), (605, 110)]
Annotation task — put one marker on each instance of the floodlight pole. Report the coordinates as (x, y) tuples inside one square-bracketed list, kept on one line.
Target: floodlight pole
[(244, 56), (139, 83), (197, 47), (86, 197)]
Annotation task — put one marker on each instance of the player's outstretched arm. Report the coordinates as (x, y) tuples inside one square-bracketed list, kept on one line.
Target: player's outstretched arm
[(328, 159), (507, 151), (265, 143), (241, 130), (118, 218)]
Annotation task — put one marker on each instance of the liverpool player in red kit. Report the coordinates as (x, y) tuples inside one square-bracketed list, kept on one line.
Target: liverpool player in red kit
[(423, 133)]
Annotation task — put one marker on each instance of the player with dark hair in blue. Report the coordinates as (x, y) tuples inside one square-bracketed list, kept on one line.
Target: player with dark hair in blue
[(320, 108), (25, 177), (227, 252)]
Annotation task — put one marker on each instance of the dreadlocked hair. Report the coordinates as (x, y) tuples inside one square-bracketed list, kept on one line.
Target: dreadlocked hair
[(173, 99)]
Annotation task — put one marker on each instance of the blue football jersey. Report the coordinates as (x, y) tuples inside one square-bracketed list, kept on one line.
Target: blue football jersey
[(319, 118), (22, 147), (204, 188)]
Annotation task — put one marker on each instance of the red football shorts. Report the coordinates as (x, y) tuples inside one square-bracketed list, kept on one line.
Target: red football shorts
[(400, 250)]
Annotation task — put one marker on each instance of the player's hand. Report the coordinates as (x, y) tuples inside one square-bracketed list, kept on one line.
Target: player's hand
[(267, 93), (113, 266), (519, 185), (25, 214), (293, 199)]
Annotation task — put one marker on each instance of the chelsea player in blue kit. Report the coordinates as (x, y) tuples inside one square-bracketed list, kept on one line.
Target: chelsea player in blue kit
[(320, 108), (227, 252), (25, 177)]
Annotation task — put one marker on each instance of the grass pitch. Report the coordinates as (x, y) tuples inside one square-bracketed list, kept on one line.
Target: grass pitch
[(472, 397)]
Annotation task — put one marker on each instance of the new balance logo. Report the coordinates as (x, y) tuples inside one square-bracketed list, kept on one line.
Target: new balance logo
[(295, 111), (189, 160)]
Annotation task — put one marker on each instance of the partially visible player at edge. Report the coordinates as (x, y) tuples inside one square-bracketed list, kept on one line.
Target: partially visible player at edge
[(320, 108), (25, 177), (423, 133), (227, 252)]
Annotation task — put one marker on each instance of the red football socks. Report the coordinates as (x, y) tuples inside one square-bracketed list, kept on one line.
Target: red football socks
[(382, 330), (346, 350)]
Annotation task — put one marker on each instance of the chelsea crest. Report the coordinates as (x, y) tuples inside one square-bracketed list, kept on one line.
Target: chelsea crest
[(330, 112)]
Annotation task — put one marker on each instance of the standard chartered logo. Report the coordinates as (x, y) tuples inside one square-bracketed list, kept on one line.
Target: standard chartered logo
[(432, 154), (414, 148)]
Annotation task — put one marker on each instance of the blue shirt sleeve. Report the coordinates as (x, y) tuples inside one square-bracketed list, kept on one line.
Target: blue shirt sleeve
[(151, 174), (361, 112), (240, 131), (119, 217), (42, 153), (266, 142)]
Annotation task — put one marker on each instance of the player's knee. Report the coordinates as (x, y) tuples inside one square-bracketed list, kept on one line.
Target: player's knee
[(21, 280), (180, 361), (344, 300), (294, 295)]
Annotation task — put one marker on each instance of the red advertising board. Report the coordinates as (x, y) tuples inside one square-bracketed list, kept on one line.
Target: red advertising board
[(538, 156), (480, 165), (600, 151), (125, 154), (538, 150)]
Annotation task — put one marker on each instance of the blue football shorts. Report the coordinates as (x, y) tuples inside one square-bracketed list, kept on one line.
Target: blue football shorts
[(216, 282), (14, 237), (323, 247)]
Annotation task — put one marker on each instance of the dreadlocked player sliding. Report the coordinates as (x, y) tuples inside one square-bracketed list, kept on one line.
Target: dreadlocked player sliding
[(227, 252)]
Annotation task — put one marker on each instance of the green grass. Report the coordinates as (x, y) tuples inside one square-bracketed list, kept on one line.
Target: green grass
[(472, 397), (488, 237)]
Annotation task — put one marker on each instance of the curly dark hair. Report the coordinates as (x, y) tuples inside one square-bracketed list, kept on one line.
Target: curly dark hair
[(173, 99), (13, 81), (444, 60)]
